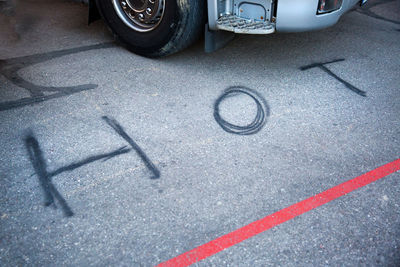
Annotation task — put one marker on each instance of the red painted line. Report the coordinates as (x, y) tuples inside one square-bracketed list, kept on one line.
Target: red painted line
[(284, 215)]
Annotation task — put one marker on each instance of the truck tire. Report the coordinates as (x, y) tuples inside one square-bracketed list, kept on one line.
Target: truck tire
[(154, 28)]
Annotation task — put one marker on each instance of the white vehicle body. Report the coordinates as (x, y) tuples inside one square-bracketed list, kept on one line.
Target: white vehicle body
[(282, 15), (301, 15)]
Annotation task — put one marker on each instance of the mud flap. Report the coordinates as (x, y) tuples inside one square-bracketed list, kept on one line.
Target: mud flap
[(215, 40), (93, 12)]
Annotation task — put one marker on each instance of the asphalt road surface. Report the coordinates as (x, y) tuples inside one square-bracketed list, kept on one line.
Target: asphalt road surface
[(109, 158)]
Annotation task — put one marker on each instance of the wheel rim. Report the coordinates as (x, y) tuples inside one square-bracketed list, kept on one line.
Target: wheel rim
[(140, 15)]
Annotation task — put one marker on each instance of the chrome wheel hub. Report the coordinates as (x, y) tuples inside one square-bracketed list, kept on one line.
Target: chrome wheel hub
[(140, 15)]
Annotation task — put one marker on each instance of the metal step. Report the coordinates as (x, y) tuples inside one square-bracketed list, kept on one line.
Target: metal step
[(237, 24)]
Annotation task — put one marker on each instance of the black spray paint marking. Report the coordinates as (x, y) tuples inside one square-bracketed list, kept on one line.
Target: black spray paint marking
[(39, 164), (9, 68), (120, 131), (104, 157), (259, 120), (366, 10), (322, 67)]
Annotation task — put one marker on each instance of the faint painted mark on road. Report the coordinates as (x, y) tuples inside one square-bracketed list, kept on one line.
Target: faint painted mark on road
[(121, 132), (366, 10), (9, 68), (325, 69)]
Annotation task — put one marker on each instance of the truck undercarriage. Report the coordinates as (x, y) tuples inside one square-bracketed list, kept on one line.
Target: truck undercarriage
[(156, 28)]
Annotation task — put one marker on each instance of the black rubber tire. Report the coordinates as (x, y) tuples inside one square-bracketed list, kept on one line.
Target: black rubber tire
[(181, 25)]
